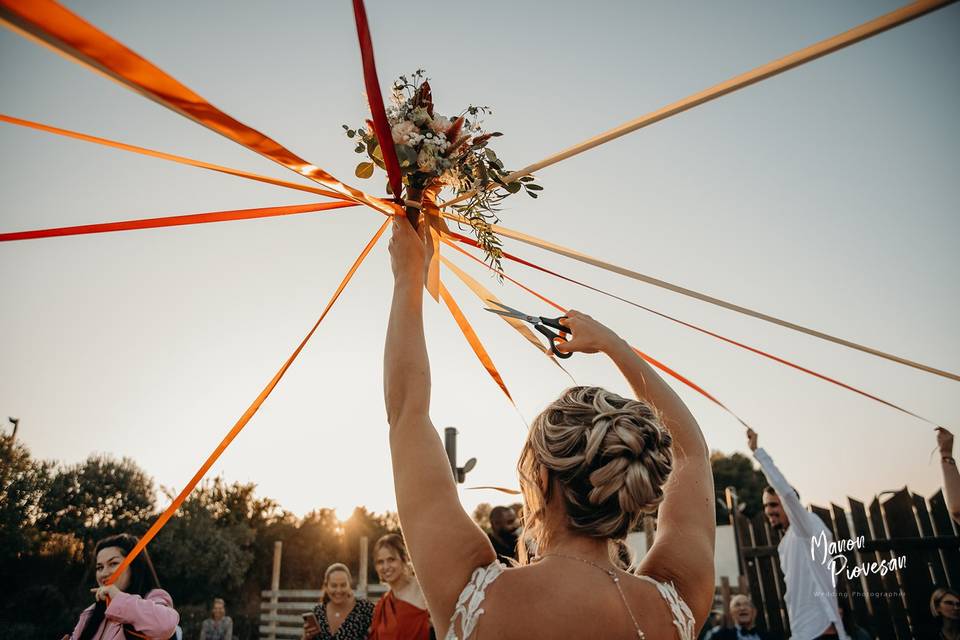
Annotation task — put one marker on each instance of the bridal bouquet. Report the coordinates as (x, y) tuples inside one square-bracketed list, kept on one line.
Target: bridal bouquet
[(435, 151)]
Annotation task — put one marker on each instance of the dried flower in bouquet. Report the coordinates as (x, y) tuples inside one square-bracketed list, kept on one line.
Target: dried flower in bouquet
[(435, 151)]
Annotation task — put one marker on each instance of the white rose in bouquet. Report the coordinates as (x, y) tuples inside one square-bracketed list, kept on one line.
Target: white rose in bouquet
[(403, 132)]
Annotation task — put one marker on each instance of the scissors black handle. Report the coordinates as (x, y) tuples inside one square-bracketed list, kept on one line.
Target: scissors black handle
[(553, 337)]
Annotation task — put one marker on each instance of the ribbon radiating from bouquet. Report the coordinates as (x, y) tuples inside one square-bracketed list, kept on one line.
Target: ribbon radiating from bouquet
[(55, 26)]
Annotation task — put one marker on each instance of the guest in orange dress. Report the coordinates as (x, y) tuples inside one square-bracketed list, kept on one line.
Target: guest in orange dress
[(402, 613)]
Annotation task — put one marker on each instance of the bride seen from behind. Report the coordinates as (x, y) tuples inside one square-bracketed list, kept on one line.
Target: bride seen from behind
[(593, 464)]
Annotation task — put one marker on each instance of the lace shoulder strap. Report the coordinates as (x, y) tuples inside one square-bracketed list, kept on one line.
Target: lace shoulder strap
[(468, 604), (683, 618)]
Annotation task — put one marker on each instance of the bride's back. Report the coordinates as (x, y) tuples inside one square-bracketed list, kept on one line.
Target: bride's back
[(557, 599)]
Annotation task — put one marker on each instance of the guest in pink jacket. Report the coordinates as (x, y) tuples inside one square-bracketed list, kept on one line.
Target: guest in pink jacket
[(133, 607)]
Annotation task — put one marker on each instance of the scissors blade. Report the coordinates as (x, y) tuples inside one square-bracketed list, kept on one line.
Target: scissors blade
[(512, 314), (516, 312)]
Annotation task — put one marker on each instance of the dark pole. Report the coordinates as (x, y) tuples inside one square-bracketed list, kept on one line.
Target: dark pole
[(450, 444)]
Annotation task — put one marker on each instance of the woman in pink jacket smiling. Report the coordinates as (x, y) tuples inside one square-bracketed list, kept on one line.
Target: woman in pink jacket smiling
[(134, 606)]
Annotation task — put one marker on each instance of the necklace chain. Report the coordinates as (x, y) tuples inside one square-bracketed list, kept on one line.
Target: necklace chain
[(616, 581)]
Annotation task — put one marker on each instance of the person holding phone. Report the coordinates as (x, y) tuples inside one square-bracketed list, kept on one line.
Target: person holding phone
[(340, 615), (134, 606)]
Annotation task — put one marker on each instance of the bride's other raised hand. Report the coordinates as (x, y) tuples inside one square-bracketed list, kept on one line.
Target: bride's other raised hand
[(588, 335)]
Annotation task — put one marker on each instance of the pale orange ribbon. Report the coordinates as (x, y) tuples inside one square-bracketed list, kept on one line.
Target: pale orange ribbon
[(245, 418), (474, 341), (169, 156), (653, 361)]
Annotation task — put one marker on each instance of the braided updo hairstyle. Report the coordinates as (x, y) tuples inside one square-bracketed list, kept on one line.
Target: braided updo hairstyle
[(608, 456)]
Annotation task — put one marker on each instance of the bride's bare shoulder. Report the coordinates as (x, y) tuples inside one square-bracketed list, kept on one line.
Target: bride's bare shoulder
[(539, 602)]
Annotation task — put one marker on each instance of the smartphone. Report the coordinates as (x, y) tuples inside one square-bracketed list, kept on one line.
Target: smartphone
[(310, 619)]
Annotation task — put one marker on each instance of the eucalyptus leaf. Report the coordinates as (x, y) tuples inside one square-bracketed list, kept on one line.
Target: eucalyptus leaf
[(532, 194), (533, 187), (364, 170), (407, 157), (514, 187), (351, 133)]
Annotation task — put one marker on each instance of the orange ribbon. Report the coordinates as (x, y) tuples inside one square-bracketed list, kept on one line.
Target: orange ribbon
[(474, 341), (653, 361), (684, 323), (435, 228), (168, 156), (245, 418), (53, 25), (171, 221), (607, 266), (519, 325)]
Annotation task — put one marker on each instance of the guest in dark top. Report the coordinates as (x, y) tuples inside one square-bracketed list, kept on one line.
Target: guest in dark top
[(218, 626), (340, 615), (744, 616), (504, 527), (945, 607)]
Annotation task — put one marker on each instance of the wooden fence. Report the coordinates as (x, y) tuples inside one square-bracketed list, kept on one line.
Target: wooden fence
[(914, 538), (281, 610)]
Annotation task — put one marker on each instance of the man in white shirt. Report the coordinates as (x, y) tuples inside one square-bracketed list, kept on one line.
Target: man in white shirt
[(810, 597)]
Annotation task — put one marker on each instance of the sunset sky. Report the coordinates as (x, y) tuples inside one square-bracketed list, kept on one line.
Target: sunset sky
[(827, 196)]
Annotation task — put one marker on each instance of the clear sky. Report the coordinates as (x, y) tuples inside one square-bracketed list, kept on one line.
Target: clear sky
[(827, 196)]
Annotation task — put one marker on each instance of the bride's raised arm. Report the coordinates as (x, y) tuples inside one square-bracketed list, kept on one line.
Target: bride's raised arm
[(445, 544)]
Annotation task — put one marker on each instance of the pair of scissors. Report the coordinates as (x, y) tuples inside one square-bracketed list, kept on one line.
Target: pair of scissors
[(539, 323)]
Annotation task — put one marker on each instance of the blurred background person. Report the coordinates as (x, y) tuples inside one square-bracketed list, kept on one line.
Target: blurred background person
[(504, 533), (132, 607), (218, 626), (810, 596), (951, 477), (402, 612), (744, 616), (945, 607), (340, 614)]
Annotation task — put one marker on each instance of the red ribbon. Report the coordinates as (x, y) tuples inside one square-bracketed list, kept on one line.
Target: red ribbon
[(381, 127), (172, 221), (759, 352)]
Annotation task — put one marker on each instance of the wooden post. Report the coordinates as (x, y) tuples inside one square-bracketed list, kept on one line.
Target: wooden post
[(649, 531), (275, 589), (730, 494), (364, 567)]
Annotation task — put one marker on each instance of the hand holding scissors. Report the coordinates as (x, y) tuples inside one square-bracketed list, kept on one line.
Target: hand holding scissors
[(539, 323)]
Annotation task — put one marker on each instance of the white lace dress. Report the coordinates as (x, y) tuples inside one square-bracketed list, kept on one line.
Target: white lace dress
[(468, 610)]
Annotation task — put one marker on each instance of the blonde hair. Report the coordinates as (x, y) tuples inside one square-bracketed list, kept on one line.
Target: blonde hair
[(607, 455), (937, 596), (336, 566)]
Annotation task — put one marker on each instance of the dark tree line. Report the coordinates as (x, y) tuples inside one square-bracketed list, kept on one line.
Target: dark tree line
[(219, 544)]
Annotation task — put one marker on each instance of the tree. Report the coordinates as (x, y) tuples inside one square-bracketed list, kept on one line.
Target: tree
[(737, 471), (23, 482), (99, 497), (207, 548)]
